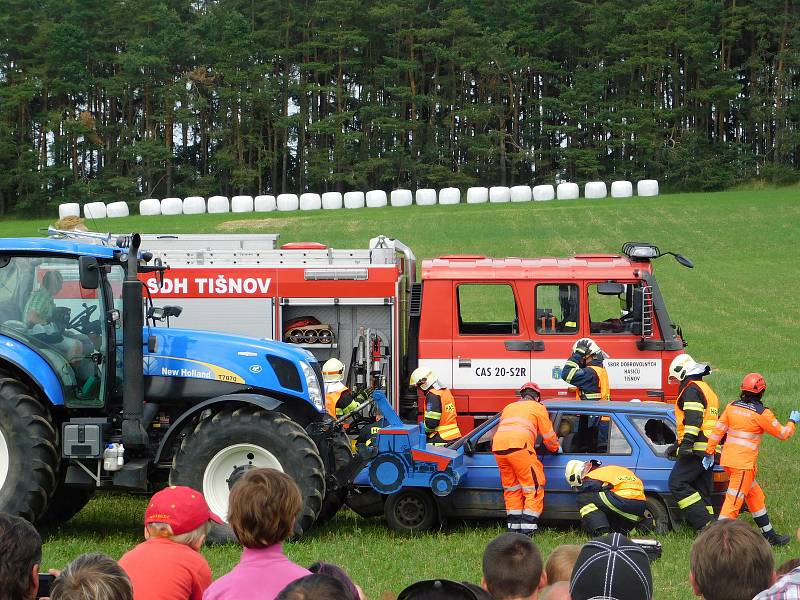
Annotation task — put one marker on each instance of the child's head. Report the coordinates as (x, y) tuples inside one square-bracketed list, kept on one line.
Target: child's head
[(262, 507), (180, 514), (560, 563)]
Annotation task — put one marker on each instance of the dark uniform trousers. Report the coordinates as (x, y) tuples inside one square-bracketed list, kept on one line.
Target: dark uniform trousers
[(691, 486), (605, 511)]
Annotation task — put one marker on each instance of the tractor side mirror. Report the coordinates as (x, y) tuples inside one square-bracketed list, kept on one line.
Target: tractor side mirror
[(89, 272), (610, 288)]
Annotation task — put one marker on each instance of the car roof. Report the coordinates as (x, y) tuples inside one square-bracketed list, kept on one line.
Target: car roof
[(648, 407), (57, 246)]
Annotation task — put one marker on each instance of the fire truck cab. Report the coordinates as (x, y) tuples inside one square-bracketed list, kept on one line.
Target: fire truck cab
[(484, 325)]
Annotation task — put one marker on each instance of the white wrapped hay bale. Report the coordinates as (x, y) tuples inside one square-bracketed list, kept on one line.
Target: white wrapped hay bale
[(426, 197), (69, 209), (242, 204), (521, 193), (647, 187), (376, 199), (477, 195), (172, 206), (218, 204), (194, 205), (264, 203), (621, 189), (568, 191), (115, 210), (150, 207), (499, 193), (287, 202), (542, 193), (332, 200), (94, 210), (595, 189), (401, 198), (309, 201), (449, 195), (354, 199)]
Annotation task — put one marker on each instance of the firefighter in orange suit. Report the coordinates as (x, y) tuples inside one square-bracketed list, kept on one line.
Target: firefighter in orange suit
[(696, 413), (609, 498), (584, 370), (339, 400), (441, 418), (521, 472), (744, 422)]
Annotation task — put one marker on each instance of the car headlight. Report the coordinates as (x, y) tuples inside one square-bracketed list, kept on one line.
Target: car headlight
[(314, 392)]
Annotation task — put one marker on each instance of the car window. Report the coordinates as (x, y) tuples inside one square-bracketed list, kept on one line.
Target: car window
[(581, 433), (658, 432), (487, 309), (620, 314)]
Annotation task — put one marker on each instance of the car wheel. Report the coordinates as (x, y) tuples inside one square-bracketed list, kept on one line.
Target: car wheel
[(656, 516), (411, 510)]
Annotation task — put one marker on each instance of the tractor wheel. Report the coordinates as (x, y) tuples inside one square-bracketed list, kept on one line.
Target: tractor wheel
[(337, 456), (28, 456), (65, 503), (240, 437), (656, 516), (412, 509)]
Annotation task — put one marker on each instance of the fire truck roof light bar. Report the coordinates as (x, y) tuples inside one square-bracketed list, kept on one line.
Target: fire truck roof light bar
[(335, 274)]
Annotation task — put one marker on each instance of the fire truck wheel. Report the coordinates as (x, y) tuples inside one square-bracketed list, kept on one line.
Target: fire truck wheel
[(337, 456), (240, 437), (656, 516), (28, 455), (412, 509)]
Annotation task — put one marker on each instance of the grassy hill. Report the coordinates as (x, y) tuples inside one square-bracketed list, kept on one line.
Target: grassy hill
[(738, 309)]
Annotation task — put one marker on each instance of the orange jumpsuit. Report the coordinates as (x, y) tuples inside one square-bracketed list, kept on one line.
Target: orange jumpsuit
[(745, 423), (521, 472)]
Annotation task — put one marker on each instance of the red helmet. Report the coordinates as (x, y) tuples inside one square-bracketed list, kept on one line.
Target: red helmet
[(530, 387), (753, 383)]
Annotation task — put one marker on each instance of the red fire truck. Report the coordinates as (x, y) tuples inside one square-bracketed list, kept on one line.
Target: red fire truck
[(484, 325)]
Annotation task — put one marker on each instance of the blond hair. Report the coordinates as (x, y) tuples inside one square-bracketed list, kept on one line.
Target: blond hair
[(193, 538), (560, 563)]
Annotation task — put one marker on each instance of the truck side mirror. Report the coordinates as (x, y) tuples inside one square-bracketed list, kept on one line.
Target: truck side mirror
[(89, 272), (610, 288)]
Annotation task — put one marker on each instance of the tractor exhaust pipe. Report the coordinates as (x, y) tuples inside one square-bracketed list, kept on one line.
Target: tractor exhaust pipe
[(133, 432)]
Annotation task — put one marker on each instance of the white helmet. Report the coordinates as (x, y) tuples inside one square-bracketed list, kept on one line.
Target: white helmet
[(422, 377), (684, 365), (574, 472), (593, 347), (333, 370)]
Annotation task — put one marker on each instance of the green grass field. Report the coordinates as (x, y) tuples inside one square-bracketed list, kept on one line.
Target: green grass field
[(738, 309)]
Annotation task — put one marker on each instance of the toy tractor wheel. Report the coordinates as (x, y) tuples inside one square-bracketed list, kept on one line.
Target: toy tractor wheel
[(386, 473), (28, 456), (412, 509), (656, 517), (442, 484), (223, 446)]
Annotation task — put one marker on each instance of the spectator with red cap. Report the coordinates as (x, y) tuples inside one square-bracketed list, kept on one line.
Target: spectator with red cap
[(168, 564)]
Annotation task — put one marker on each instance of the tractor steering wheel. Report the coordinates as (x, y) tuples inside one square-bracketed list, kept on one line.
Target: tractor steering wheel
[(82, 318)]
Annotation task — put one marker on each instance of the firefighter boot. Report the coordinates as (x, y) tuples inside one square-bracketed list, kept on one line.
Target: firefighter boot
[(775, 539)]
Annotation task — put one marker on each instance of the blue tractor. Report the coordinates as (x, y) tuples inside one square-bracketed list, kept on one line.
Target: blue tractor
[(93, 394)]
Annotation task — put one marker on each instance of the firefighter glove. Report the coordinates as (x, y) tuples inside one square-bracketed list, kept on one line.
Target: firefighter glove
[(583, 347), (684, 451), (795, 416), (708, 461), (671, 451)]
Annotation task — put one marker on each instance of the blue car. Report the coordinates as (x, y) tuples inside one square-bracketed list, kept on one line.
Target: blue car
[(635, 435)]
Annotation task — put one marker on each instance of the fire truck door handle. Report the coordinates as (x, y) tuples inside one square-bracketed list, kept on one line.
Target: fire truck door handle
[(524, 345), (464, 363)]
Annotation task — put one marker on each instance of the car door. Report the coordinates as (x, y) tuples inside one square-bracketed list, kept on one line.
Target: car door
[(581, 434)]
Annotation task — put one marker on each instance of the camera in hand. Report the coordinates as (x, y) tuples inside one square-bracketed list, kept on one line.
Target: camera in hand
[(45, 585)]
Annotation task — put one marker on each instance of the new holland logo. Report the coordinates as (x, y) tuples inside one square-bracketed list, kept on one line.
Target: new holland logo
[(255, 368)]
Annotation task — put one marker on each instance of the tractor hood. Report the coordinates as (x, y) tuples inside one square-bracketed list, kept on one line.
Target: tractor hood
[(254, 363)]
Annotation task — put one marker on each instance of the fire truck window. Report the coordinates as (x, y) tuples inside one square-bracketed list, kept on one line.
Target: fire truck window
[(616, 314), (556, 308), (591, 434), (487, 309), (658, 432)]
